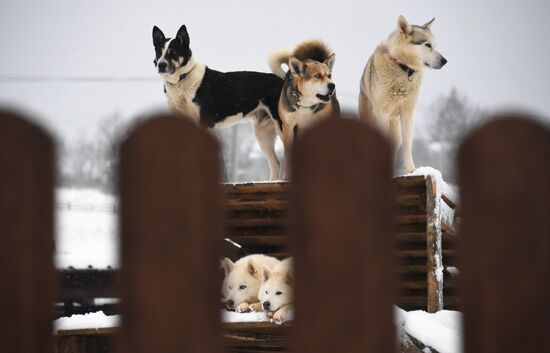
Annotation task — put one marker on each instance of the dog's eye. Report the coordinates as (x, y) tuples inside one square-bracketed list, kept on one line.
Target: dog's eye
[(428, 45), (278, 293), (242, 286), (318, 76), (230, 287), (329, 76), (266, 292)]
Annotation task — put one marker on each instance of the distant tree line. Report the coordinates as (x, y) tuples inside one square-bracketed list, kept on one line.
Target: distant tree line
[(92, 162)]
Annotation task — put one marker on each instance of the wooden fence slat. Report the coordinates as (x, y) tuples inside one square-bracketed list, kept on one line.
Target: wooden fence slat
[(26, 236), (171, 234), (504, 174), (434, 275), (343, 241)]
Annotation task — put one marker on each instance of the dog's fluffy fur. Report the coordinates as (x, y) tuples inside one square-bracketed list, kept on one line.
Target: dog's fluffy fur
[(242, 281), (391, 83), (308, 92), (276, 291), (216, 99)]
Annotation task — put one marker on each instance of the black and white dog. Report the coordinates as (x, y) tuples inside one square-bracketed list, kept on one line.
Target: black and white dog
[(217, 99)]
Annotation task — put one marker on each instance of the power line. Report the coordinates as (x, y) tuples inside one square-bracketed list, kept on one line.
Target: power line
[(77, 79)]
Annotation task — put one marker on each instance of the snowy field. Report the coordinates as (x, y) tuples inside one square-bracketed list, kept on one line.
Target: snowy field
[(87, 229)]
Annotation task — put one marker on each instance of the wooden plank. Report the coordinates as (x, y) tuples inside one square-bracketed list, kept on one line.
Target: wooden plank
[(504, 177), (86, 284), (342, 238), (254, 188), (434, 275), (260, 204), (26, 236), (171, 233)]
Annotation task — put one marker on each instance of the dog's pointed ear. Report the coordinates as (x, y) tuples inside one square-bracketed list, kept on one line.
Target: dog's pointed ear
[(404, 26), (429, 24), (266, 273), (183, 35), (158, 37), (296, 66), (330, 61), (251, 268), (228, 266)]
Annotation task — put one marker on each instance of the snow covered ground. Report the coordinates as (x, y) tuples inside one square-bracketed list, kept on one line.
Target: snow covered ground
[(441, 331), (87, 229)]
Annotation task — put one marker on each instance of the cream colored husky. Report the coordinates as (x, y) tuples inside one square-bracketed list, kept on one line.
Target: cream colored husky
[(391, 83), (276, 291), (242, 281)]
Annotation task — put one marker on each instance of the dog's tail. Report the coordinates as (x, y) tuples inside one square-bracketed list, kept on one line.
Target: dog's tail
[(277, 59), (313, 49)]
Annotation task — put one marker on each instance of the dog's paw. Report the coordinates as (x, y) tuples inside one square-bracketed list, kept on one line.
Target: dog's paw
[(409, 167), (243, 308), (269, 314), (280, 315), (255, 307)]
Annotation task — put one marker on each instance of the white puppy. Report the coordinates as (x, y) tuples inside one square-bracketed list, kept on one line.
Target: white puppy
[(242, 281), (276, 291)]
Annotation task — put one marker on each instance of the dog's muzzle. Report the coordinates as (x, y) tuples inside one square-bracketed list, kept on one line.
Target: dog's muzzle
[(267, 305), (165, 68)]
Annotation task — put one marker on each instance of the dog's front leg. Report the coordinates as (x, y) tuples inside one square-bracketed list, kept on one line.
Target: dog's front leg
[(288, 137), (407, 125), (243, 308), (281, 314)]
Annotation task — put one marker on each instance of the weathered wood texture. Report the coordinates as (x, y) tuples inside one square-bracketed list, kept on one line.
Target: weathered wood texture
[(171, 233), (434, 276), (26, 236), (342, 238), (504, 174)]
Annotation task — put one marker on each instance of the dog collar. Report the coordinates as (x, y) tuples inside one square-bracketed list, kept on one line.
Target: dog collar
[(184, 75), (409, 71)]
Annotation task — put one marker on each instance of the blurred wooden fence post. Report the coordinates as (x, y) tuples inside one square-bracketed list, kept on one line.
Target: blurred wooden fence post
[(342, 212), (171, 232), (26, 236), (504, 174)]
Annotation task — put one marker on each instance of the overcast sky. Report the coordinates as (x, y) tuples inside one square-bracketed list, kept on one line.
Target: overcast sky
[(498, 51)]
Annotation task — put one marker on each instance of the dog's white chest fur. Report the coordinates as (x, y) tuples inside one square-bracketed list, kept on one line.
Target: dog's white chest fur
[(181, 94)]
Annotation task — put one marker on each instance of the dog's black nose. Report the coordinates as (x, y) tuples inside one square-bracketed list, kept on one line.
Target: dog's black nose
[(267, 305), (162, 67), (229, 304), (443, 61), (331, 87)]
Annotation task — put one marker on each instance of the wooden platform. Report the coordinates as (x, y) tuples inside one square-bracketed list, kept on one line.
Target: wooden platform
[(243, 337), (258, 221)]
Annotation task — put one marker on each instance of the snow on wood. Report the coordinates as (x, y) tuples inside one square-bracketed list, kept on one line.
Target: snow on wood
[(441, 331), (86, 321)]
